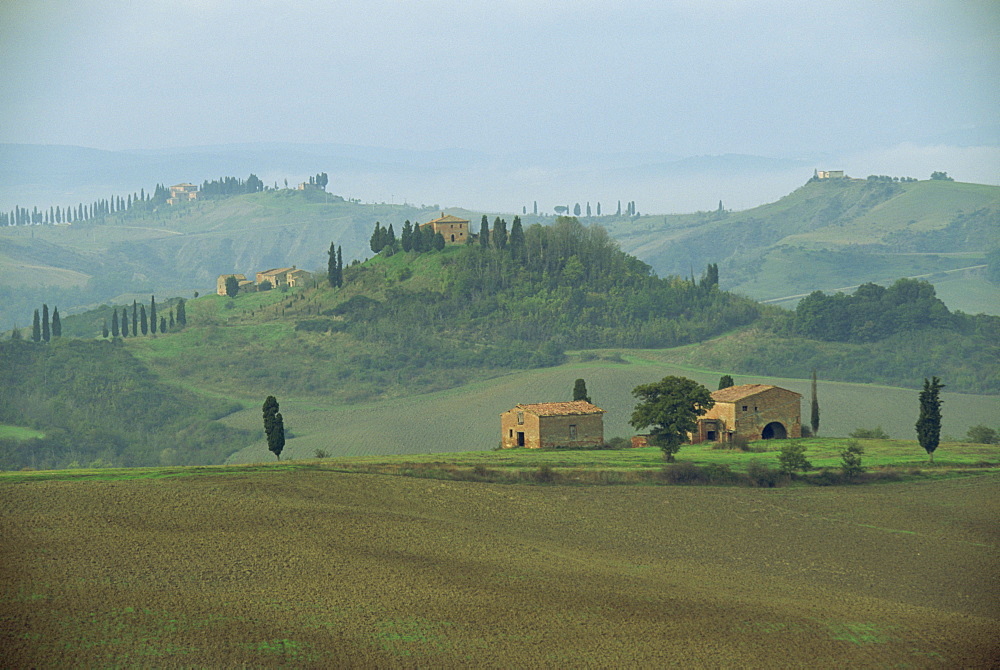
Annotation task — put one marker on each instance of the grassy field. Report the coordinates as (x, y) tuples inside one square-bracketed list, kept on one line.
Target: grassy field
[(302, 566), (467, 418), (19, 433)]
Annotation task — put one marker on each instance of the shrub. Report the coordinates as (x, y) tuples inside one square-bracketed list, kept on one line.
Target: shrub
[(982, 435), (719, 473), (619, 443), (322, 454), (682, 473), (545, 475), (762, 476), (850, 459), (740, 443), (875, 433), (793, 457)]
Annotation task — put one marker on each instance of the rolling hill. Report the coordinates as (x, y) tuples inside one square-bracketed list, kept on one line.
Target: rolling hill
[(835, 234)]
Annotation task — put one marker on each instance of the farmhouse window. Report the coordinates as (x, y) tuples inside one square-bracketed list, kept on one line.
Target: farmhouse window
[(744, 408), (511, 432), (520, 418), (572, 431)]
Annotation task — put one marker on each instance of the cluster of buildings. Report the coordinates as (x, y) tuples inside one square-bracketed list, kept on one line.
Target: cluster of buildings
[(751, 411), (266, 280)]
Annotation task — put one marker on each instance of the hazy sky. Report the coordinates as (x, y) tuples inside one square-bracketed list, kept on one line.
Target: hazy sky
[(684, 77)]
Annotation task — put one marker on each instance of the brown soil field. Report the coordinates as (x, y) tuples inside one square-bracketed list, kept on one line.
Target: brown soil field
[(325, 569)]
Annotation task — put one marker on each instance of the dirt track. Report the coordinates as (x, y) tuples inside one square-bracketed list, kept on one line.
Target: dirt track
[(324, 569)]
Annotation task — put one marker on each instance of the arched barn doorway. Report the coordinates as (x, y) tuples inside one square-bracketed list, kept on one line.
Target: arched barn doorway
[(774, 431)]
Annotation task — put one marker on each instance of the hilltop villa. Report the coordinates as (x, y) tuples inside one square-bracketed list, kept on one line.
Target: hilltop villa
[(276, 278), (453, 229), (182, 193)]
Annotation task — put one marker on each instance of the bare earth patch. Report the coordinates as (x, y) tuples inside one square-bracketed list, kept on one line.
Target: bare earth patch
[(323, 569)]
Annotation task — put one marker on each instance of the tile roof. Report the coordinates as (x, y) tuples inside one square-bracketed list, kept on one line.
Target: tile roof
[(276, 271), (561, 408), (734, 393), (447, 218)]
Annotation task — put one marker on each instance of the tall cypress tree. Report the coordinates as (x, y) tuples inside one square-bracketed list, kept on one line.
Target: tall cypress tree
[(500, 233), (405, 237), (580, 391), (340, 266), (36, 328), (163, 324), (56, 323), (143, 324), (331, 266), (181, 313), (274, 426), (814, 407), (135, 317), (46, 334), (929, 421), (104, 330), (484, 233), (124, 321), (152, 314), (114, 323), (517, 242)]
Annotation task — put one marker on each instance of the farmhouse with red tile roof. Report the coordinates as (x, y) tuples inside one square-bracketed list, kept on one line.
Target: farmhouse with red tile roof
[(553, 424)]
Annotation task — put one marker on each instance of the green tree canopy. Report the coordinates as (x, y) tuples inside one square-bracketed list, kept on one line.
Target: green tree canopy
[(672, 407), (580, 391), (725, 381)]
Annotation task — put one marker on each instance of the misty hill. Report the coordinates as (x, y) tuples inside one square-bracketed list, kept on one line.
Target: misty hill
[(832, 234)]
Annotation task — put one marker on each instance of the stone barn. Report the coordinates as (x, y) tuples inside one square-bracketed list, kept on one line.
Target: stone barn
[(553, 424), (753, 411)]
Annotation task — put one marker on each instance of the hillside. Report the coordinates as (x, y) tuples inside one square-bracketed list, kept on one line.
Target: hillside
[(834, 234), (825, 235)]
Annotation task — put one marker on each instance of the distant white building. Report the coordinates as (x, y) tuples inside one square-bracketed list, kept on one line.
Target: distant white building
[(829, 174)]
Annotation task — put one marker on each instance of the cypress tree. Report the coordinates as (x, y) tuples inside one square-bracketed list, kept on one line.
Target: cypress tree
[(56, 323), (814, 407), (580, 391), (929, 421), (181, 313), (114, 323), (725, 381), (171, 325), (405, 237), (135, 318), (340, 266), (484, 233), (46, 334), (152, 314), (143, 324), (390, 237), (331, 266), (375, 243), (438, 241), (163, 324), (36, 328), (15, 334), (500, 233), (274, 426), (125, 322), (104, 330), (517, 242), (428, 235)]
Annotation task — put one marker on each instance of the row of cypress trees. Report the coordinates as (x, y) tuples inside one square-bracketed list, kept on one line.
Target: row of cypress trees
[(140, 323)]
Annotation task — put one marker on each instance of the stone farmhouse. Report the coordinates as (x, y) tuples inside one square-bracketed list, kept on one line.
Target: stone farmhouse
[(182, 193), (245, 284), (752, 411), (276, 277), (453, 229), (552, 424)]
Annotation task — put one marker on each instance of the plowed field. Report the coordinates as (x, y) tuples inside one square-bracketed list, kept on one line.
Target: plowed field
[(323, 569)]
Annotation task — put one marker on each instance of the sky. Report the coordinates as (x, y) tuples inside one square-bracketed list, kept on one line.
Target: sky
[(878, 83)]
